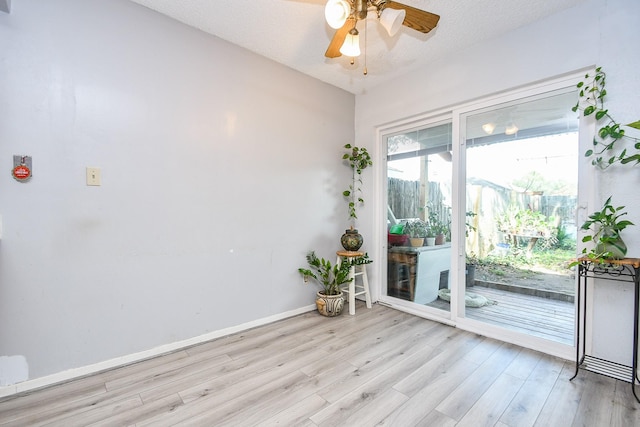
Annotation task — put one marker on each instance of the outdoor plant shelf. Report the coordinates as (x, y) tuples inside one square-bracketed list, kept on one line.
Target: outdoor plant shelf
[(620, 270)]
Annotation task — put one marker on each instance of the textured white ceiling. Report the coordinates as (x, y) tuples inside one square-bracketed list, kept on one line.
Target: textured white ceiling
[(294, 33)]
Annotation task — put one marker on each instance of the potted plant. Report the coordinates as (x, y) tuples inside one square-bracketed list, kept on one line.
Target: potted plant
[(606, 226), (470, 269), (518, 223), (358, 160), (397, 236), (440, 230), (330, 299), (417, 230), (430, 240), (437, 227)]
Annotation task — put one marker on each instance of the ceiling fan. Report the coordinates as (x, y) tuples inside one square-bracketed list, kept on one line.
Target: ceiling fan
[(343, 15)]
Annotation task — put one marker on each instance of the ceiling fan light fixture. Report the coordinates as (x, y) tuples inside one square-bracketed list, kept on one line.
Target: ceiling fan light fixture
[(351, 45), (391, 20), (336, 13)]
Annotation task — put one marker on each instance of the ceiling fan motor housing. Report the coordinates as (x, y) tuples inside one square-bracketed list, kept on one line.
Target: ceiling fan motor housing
[(361, 9)]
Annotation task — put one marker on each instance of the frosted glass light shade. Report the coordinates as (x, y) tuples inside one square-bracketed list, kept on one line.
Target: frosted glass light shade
[(336, 13), (511, 129), (488, 128), (351, 45), (391, 20)]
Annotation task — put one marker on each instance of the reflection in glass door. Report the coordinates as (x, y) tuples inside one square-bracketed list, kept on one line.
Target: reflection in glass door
[(419, 213), (521, 199)]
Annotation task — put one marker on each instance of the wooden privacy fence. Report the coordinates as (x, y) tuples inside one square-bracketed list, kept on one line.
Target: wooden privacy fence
[(485, 199), (404, 199)]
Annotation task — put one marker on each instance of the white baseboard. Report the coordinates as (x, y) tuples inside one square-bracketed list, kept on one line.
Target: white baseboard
[(75, 373)]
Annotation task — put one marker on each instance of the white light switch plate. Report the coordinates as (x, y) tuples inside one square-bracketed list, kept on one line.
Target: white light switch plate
[(93, 176)]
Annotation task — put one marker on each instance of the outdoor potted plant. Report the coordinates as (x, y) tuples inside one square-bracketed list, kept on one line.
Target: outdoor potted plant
[(417, 230), (606, 226), (440, 231), (518, 223), (430, 240), (470, 269), (437, 227), (358, 160), (397, 236)]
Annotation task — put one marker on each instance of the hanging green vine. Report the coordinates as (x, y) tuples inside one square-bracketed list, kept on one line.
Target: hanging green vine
[(358, 159), (591, 101)]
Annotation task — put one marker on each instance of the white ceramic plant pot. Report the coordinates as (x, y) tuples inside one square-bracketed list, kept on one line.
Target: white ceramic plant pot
[(617, 248)]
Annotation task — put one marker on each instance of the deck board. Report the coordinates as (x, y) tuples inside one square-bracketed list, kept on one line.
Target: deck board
[(536, 316)]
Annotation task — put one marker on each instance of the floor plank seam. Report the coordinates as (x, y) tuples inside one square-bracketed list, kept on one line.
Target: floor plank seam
[(380, 367)]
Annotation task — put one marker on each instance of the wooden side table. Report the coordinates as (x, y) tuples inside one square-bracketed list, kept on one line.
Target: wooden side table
[(622, 270)]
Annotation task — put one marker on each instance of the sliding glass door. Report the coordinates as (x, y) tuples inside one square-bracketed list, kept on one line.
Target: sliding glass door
[(419, 215), (490, 189), (520, 222)]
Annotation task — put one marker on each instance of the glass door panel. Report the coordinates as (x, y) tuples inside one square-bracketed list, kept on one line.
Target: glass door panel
[(419, 212), (521, 200)]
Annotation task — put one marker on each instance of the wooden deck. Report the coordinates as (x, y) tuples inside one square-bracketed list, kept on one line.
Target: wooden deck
[(541, 317)]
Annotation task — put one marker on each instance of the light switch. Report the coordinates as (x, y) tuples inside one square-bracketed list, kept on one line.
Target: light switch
[(93, 176)]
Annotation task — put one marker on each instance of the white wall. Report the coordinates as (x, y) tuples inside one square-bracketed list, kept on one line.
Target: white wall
[(220, 169), (594, 33)]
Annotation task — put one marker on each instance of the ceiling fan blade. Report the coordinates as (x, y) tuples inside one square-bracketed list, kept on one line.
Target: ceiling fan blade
[(333, 51), (416, 19)]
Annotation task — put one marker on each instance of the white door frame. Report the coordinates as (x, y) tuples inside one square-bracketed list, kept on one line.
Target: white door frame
[(456, 316)]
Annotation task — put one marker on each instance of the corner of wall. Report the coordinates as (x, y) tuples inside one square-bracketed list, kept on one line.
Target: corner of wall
[(5, 6)]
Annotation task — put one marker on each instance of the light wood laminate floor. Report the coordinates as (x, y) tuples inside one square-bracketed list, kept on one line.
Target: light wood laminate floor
[(379, 367)]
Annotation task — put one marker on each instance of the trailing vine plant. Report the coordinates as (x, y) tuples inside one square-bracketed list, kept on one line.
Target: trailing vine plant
[(358, 159), (591, 102)]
